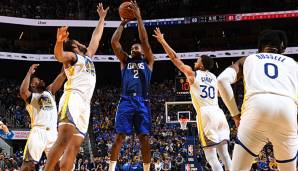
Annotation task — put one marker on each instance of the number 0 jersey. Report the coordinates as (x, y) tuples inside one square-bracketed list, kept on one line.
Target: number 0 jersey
[(270, 73), (204, 89), (81, 77)]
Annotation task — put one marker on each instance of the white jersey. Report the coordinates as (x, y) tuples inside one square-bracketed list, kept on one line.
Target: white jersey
[(81, 77), (270, 73), (204, 90), (43, 110)]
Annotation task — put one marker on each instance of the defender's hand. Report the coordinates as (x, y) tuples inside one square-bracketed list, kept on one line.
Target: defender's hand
[(158, 35), (102, 12), (33, 68), (135, 9), (62, 34)]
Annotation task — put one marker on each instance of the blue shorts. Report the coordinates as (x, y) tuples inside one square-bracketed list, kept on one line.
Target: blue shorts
[(133, 113)]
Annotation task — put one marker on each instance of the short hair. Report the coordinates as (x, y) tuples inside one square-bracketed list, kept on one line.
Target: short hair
[(273, 38), (207, 61), (68, 45)]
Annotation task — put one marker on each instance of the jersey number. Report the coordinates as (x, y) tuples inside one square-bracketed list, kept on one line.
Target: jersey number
[(207, 91), (271, 70), (136, 73)]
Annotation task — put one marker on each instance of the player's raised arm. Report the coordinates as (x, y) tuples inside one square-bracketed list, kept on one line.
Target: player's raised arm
[(143, 34), (57, 83), (97, 33), (225, 79), (24, 89), (187, 70), (60, 55), (117, 48)]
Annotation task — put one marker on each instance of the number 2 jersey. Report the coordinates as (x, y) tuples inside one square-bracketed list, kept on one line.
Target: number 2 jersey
[(81, 77), (136, 78), (270, 73), (204, 90)]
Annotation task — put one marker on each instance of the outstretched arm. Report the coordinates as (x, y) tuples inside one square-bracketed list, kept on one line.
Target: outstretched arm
[(57, 83), (64, 57), (97, 33), (143, 35), (24, 89), (117, 48), (225, 79), (187, 70)]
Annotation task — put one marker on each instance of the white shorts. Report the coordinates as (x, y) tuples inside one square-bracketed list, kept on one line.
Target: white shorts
[(214, 126), (40, 140), (269, 117), (73, 109)]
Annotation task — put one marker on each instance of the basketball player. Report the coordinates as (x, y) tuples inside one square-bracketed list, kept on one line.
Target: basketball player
[(41, 106), (133, 109), (74, 105), (211, 122), (269, 112)]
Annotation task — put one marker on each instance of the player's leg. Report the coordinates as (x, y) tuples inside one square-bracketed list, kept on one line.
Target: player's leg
[(71, 152), (124, 126), (284, 139), (211, 157), (116, 150), (34, 148), (145, 150), (65, 134), (142, 123), (51, 139), (28, 166), (222, 150)]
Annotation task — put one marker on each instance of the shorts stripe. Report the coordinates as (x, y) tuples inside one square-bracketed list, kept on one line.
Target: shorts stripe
[(215, 144), (286, 161), (68, 93), (26, 157), (237, 141), (199, 121)]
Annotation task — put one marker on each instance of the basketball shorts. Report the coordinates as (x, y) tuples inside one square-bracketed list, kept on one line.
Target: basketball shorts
[(214, 126), (133, 114), (75, 110), (269, 117), (40, 140)]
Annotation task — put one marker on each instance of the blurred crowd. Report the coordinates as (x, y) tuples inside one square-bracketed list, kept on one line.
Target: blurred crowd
[(86, 9)]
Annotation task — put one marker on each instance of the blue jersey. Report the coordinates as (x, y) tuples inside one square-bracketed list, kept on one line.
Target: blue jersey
[(136, 77)]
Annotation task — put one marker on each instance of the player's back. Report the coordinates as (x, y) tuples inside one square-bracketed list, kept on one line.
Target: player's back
[(81, 77), (43, 110), (204, 89), (270, 73), (136, 77)]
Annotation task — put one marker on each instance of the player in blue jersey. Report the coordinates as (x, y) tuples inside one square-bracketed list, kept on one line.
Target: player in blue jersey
[(133, 113)]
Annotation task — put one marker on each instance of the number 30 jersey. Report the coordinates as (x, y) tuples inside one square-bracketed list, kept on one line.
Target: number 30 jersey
[(270, 73), (204, 89), (81, 77)]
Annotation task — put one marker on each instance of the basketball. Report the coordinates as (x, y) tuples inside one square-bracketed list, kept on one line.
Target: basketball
[(124, 12)]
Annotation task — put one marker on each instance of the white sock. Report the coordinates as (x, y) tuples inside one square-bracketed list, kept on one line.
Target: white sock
[(223, 153), (211, 157), (112, 165), (146, 166)]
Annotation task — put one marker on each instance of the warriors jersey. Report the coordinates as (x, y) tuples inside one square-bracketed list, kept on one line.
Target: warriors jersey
[(43, 110), (270, 73), (81, 77), (204, 90)]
